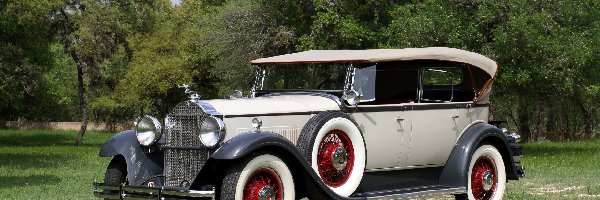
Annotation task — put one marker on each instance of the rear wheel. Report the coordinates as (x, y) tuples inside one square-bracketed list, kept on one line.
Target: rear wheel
[(487, 175), (263, 176)]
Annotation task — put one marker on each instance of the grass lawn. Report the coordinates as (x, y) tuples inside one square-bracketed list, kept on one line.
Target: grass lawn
[(45, 164), (559, 170)]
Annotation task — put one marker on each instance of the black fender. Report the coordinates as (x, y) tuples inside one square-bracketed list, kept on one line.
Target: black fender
[(251, 142), (455, 171), (141, 166)]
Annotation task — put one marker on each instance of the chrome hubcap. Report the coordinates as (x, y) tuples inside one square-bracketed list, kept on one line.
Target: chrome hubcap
[(487, 180), (339, 158), (266, 193)]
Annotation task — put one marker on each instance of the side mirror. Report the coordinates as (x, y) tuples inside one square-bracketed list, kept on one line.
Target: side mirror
[(352, 97), (236, 94)]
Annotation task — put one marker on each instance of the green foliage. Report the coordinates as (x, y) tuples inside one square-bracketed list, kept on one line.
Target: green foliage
[(24, 54), (135, 53), (225, 38), (345, 25)]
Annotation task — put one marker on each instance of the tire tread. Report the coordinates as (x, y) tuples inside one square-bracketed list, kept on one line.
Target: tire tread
[(231, 178), (308, 134), (116, 172)]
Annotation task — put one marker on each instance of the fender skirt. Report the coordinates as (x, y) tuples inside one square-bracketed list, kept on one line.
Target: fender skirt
[(247, 143), (456, 169), (141, 166)]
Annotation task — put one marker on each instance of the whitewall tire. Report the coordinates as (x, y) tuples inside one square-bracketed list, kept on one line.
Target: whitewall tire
[(487, 174), (335, 148), (263, 176)]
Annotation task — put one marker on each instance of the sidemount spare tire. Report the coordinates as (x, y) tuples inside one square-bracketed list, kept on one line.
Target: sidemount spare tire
[(332, 142)]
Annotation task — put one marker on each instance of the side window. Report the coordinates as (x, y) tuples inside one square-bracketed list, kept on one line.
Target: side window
[(396, 84), (442, 76), (439, 84)]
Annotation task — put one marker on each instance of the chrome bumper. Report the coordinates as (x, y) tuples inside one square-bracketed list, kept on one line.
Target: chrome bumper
[(140, 192)]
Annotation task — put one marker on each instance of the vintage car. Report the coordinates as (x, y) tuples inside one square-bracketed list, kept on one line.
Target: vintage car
[(327, 124)]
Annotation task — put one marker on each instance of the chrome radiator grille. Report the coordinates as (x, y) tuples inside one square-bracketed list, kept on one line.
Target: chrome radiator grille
[(184, 152)]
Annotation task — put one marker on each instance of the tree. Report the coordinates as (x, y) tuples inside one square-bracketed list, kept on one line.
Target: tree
[(24, 55), (95, 34)]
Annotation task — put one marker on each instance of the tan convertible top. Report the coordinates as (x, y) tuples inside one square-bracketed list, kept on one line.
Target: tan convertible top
[(384, 55)]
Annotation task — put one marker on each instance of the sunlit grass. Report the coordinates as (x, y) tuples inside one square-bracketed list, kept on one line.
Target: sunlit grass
[(45, 164), (559, 170)]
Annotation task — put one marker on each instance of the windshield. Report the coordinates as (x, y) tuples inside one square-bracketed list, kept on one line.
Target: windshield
[(303, 77)]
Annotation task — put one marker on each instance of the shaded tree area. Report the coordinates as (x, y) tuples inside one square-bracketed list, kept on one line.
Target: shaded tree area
[(114, 60)]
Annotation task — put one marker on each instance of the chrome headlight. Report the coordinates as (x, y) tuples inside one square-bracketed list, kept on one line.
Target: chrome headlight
[(212, 131), (147, 130)]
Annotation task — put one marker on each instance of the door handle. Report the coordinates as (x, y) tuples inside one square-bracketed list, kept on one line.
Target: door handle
[(400, 122), (454, 116)]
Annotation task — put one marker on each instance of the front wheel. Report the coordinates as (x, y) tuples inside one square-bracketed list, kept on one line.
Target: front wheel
[(259, 177), (116, 172), (487, 175)]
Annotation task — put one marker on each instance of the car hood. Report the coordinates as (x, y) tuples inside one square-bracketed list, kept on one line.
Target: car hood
[(273, 105)]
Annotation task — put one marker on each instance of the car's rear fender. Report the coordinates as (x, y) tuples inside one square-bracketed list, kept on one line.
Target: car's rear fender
[(455, 171), (141, 166), (306, 180)]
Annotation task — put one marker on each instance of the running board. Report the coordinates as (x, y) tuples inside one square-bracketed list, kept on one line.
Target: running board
[(412, 193)]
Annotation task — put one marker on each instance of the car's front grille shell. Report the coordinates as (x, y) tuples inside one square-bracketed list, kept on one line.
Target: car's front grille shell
[(184, 152)]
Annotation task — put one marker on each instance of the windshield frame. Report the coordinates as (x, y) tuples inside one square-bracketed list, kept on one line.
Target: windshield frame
[(258, 87)]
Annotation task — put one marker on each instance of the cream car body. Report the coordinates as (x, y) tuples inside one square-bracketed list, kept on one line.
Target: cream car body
[(392, 123)]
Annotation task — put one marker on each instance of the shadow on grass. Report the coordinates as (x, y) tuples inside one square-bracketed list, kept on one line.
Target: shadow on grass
[(31, 140), (41, 138), (33, 180), (32, 160)]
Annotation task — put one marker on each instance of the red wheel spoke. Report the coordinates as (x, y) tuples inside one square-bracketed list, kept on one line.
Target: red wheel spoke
[(261, 179), (332, 142), (482, 166)]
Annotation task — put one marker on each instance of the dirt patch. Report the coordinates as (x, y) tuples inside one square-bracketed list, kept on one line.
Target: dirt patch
[(554, 189)]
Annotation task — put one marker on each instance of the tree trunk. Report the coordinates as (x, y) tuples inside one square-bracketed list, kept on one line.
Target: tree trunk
[(523, 118), (541, 121), (82, 105), (586, 112)]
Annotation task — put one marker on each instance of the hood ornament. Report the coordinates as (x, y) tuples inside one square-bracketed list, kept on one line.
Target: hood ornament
[(192, 94)]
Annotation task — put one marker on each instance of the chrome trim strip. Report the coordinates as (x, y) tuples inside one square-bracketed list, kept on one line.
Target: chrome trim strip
[(273, 114), (141, 192), (207, 108), (404, 168), (421, 194)]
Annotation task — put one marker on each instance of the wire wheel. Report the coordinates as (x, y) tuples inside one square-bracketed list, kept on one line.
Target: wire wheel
[(263, 184), (335, 148), (262, 176), (335, 158), (484, 178), (486, 174)]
